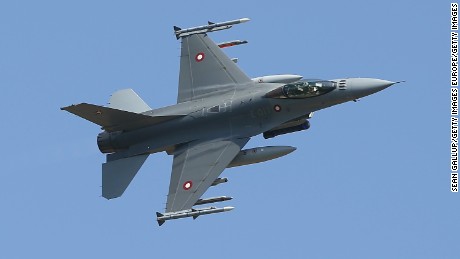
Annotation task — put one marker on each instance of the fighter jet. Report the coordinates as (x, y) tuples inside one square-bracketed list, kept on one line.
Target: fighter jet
[(219, 108)]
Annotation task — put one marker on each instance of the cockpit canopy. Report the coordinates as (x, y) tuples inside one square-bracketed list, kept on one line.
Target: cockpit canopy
[(303, 89)]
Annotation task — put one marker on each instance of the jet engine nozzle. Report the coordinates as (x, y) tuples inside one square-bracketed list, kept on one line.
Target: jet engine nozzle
[(105, 142)]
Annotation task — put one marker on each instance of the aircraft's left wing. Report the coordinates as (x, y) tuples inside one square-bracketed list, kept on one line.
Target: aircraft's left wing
[(195, 167)]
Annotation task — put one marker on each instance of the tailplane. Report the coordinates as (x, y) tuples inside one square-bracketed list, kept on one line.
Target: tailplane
[(113, 119), (118, 174), (124, 112)]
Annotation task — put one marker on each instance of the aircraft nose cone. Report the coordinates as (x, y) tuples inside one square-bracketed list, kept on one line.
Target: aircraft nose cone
[(361, 87)]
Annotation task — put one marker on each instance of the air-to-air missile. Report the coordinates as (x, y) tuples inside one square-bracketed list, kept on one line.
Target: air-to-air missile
[(231, 43), (260, 154), (161, 218), (207, 28), (213, 200)]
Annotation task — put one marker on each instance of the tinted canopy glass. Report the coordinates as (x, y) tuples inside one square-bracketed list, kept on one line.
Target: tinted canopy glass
[(305, 89)]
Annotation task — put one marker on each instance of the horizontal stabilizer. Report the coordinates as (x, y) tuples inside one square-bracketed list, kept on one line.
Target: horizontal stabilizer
[(113, 119), (118, 174)]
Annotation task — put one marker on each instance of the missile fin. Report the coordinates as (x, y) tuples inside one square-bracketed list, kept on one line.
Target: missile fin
[(160, 222)]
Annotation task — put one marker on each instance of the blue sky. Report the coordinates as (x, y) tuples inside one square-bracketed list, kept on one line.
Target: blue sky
[(368, 180)]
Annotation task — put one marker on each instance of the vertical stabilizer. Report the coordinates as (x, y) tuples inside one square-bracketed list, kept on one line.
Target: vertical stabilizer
[(128, 100)]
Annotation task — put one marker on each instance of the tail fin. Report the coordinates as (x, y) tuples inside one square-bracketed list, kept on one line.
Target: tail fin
[(118, 174), (128, 100)]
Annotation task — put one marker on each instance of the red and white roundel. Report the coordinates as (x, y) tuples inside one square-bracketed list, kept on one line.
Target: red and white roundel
[(277, 108), (187, 185), (199, 57)]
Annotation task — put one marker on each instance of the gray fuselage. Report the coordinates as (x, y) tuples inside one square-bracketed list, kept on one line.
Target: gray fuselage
[(245, 112)]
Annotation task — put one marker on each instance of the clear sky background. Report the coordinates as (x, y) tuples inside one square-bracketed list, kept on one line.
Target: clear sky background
[(368, 180)]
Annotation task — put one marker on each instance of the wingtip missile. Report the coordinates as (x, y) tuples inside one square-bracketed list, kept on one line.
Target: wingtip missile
[(194, 213), (210, 27)]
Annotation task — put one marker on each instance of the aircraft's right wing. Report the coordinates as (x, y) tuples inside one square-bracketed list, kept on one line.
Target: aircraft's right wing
[(205, 70), (195, 168)]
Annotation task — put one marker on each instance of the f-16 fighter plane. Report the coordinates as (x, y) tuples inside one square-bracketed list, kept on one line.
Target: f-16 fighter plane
[(219, 108)]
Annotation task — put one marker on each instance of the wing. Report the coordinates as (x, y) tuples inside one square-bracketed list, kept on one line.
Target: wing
[(205, 70), (195, 167)]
